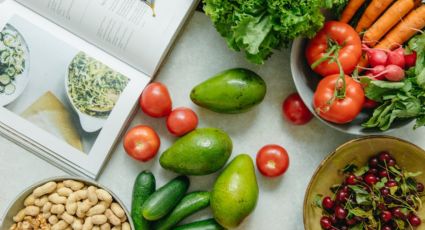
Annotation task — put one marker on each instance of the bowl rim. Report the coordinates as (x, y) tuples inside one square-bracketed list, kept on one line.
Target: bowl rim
[(61, 178), (333, 153)]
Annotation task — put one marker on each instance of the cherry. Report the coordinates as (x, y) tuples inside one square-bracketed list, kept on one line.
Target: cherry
[(345, 189), (343, 228), (391, 183), (373, 162), (391, 162), (351, 179), (373, 171), (325, 222), (340, 212), (382, 207), (370, 179), (420, 187), (334, 220), (328, 203), (384, 157), (385, 192), (386, 228), (383, 173), (386, 216), (342, 196), (352, 221), (414, 220), (398, 213)]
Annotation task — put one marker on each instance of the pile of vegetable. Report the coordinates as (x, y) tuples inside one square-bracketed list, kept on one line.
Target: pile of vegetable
[(372, 67), (380, 195), (258, 27)]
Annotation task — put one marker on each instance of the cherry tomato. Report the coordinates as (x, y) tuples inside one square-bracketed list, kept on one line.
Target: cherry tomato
[(272, 160), (295, 110), (181, 121), (155, 100), (141, 143), (341, 110), (345, 39)]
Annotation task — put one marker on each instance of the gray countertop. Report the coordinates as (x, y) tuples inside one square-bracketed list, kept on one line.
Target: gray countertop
[(198, 54)]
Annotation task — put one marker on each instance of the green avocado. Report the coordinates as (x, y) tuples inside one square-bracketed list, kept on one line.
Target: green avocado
[(232, 91), (235, 192), (200, 152)]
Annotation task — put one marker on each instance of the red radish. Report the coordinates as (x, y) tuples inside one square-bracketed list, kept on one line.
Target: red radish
[(393, 73), (375, 56), (377, 70), (410, 59), (396, 57)]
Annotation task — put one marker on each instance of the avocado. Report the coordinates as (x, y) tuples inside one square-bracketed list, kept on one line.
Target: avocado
[(200, 152), (235, 192), (232, 91)]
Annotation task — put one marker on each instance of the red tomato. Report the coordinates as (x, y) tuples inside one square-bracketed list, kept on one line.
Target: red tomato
[(141, 143), (272, 160), (348, 45), (341, 110), (295, 110), (181, 121), (155, 100), (370, 104)]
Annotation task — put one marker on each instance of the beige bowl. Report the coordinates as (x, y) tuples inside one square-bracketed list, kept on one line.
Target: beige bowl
[(18, 203), (358, 151)]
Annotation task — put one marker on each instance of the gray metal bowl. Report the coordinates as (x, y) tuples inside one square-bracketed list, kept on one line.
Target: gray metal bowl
[(306, 82), (18, 203)]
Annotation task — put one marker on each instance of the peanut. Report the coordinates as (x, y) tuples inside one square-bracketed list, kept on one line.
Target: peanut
[(32, 210), (99, 219), (104, 195), (118, 211), (67, 218), (96, 228), (77, 224), (19, 216), (41, 201), (87, 224), (74, 185), (59, 185), (105, 226), (97, 209), (125, 226), (64, 191), (91, 195), (61, 225), (46, 207), (118, 227), (112, 218), (57, 209), (29, 200), (53, 219), (46, 215), (57, 199), (47, 188)]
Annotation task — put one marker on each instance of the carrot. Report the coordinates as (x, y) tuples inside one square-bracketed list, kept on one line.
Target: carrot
[(373, 11), (350, 10), (389, 19), (408, 27)]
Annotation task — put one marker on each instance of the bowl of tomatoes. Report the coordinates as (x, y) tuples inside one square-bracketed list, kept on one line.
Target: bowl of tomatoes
[(374, 182), (328, 71)]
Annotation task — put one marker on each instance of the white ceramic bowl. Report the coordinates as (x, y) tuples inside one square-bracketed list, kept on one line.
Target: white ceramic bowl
[(306, 82), (18, 203)]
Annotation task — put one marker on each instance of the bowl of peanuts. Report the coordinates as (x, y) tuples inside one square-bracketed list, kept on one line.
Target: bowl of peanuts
[(67, 203)]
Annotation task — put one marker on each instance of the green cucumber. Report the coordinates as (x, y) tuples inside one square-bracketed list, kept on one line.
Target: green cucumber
[(209, 224), (144, 186), (5, 79), (2, 88), (190, 204), (161, 202), (9, 89)]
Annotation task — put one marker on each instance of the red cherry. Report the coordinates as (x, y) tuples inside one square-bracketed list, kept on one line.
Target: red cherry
[(391, 183), (383, 173), (352, 221), (373, 171), (328, 203), (385, 192), (420, 187), (386, 228), (414, 220), (386, 216), (398, 213), (391, 162), (370, 179), (373, 162), (325, 222), (351, 179), (384, 157), (340, 212), (342, 196)]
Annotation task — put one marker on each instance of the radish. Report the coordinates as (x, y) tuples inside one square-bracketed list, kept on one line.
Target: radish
[(377, 70), (375, 56), (410, 59), (396, 57), (392, 73)]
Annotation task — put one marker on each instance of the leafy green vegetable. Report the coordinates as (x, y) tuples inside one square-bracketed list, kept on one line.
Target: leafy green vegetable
[(400, 100), (257, 27)]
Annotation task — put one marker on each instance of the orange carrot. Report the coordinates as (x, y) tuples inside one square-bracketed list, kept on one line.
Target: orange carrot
[(389, 19), (372, 12), (408, 27), (350, 10)]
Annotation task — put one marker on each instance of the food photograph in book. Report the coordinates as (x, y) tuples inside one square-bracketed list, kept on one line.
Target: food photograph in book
[(55, 86)]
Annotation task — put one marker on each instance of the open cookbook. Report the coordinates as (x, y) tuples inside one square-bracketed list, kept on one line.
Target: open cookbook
[(71, 72)]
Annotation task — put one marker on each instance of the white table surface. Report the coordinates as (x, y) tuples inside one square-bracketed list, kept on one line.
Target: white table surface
[(198, 54)]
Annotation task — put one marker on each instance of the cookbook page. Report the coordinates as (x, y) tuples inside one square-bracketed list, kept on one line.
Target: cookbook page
[(129, 29)]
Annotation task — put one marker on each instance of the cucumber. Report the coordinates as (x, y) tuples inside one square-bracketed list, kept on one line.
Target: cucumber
[(1, 88), (209, 224), (5, 79), (144, 186), (190, 204), (161, 202), (9, 89)]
